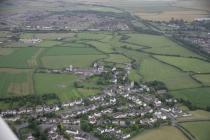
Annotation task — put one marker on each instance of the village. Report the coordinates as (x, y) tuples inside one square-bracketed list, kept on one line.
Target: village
[(119, 112)]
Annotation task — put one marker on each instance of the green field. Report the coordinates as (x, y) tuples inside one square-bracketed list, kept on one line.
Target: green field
[(198, 96), (117, 58), (159, 45), (152, 69), (187, 64), (18, 59), (104, 47), (62, 85), (62, 51), (204, 78), (162, 133), (199, 129), (75, 60), (6, 51), (14, 84)]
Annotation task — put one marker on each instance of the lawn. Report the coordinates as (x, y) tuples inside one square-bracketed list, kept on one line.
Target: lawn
[(18, 59), (198, 96), (187, 64), (15, 84), (163, 133), (62, 85), (204, 78), (159, 45), (152, 69), (75, 60), (62, 51), (199, 129)]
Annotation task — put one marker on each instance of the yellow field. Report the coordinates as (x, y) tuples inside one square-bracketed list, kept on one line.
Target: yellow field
[(163, 133)]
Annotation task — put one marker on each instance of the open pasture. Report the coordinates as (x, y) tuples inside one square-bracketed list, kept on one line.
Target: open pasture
[(197, 96), (63, 51), (65, 61), (204, 78), (162, 133), (6, 51), (187, 64), (159, 45), (18, 59), (62, 85), (152, 69), (46, 36), (104, 47), (199, 129), (117, 58), (15, 83)]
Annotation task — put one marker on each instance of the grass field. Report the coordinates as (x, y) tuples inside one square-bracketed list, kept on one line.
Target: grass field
[(18, 59), (199, 129), (75, 60), (104, 47), (46, 36), (196, 115), (134, 76), (6, 51), (198, 96), (204, 78), (159, 45), (187, 64), (62, 85), (163, 133), (62, 51), (15, 83), (152, 69), (117, 58)]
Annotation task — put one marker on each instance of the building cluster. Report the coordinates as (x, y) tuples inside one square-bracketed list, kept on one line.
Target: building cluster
[(86, 72), (116, 109)]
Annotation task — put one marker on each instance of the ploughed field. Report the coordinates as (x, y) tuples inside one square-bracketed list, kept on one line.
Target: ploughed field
[(185, 73)]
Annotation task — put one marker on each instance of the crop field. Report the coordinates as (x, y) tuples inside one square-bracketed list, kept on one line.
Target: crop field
[(198, 96), (187, 64), (199, 129), (65, 61), (18, 59), (15, 83), (62, 85), (204, 78), (162, 133)]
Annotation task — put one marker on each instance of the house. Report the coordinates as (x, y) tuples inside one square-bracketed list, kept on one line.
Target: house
[(72, 132), (126, 136)]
